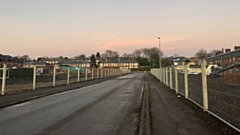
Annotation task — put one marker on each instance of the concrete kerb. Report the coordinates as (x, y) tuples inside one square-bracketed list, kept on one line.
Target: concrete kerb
[(145, 126)]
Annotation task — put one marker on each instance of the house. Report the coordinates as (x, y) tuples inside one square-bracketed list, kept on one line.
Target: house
[(225, 59), (176, 61), (31, 64), (11, 61), (122, 63)]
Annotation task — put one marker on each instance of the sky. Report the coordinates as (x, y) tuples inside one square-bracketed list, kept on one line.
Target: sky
[(69, 28)]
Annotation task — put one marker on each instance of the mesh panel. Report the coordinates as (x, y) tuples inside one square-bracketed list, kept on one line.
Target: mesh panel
[(224, 95), (195, 88), (181, 85), (168, 74), (173, 79)]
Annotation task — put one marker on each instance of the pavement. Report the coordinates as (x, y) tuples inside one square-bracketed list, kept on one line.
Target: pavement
[(172, 114)]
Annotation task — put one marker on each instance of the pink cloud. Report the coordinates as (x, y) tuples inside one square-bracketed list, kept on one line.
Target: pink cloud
[(122, 43)]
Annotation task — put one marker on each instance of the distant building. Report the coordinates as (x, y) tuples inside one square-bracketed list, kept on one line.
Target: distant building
[(11, 61), (226, 59), (122, 63), (176, 61)]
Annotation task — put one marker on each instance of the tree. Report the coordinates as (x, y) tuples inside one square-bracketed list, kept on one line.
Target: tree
[(175, 55), (146, 52), (213, 53), (166, 62), (109, 54), (98, 55), (137, 53), (202, 54), (93, 59), (25, 58)]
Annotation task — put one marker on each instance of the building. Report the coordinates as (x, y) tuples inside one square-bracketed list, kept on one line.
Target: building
[(227, 58), (122, 63)]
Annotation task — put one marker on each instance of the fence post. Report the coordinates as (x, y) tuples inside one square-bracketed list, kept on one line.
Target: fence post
[(92, 73), (97, 72), (186, 81), (161, 71), (170, 72), (68, 76), (167, 76), (86, 74), (176, 79), (78, 75), (164, 73), (4, 78), (34, 77), (105, 72), (54, 76), (101, 72), (204, 85)]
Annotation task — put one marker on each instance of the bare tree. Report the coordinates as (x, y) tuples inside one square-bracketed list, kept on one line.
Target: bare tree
[(175, 55), (25, 58), (202, 54), (213, 53), (109, 54), (146, 52), (137, 53)]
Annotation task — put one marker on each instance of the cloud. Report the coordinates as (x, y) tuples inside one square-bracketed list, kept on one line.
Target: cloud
[(122, 43)]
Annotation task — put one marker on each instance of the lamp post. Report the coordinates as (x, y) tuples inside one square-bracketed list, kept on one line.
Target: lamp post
[(160, 64)]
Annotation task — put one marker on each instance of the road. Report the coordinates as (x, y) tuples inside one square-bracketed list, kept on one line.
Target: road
[(107, 108)]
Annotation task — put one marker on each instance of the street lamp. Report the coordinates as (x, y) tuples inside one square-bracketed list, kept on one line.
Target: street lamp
[(149, 63), (160, 64)]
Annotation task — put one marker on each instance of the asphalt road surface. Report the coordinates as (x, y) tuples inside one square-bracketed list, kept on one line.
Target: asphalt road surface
[(108, 108)]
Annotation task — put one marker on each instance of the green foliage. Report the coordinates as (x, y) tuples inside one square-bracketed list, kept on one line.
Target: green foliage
[(143, 61), (21, 72), (98, 55), (93, 59), (166, 62)]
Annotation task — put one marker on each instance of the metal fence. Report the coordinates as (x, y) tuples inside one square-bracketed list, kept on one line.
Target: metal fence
[(43, 77), (218, 94)]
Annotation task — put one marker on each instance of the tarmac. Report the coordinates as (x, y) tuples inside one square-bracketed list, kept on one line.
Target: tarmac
[(170, 113), (12, 99)]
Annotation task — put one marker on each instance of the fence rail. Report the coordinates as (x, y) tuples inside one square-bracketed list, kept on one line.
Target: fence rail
[(37, 77), (217, 94)]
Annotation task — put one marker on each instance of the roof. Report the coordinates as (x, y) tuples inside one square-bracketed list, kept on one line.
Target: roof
[(34, 63), (123, 60), (179, 59), (225, 55)]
